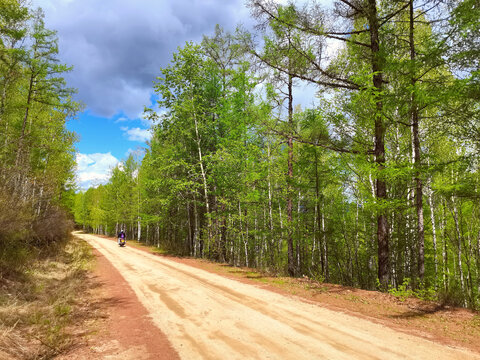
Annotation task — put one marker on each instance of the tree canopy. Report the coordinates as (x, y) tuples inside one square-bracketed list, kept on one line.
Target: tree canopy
[(37, 156), (374, 186)]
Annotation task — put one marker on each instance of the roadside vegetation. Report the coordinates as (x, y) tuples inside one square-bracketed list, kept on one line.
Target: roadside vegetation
[(37, 156), (374, 186), (41, 273), (38, 310)]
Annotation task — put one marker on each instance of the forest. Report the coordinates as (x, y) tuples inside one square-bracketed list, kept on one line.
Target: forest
[(372, 185), (37, 155)]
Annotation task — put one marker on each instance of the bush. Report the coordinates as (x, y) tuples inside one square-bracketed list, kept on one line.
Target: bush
[(452, 296), (23, 232), (403, 292), (52, 226), (15, 228)]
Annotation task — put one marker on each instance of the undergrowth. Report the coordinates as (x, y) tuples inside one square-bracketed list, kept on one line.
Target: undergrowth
[(405, 291), (38, 305)]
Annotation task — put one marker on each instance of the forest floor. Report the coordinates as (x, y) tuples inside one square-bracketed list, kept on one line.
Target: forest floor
[(210, 316)]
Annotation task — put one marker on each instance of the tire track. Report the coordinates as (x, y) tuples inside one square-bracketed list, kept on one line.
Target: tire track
[(206, 316)]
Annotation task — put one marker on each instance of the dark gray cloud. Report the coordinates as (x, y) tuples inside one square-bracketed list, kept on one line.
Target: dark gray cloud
[(118, 46)]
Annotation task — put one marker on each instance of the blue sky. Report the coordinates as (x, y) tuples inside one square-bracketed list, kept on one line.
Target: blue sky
[(116, 48), (103, 142), (116, 135)]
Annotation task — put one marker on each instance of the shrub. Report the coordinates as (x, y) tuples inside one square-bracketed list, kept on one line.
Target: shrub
[(452, 296)]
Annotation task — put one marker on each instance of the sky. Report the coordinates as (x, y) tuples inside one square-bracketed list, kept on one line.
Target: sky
[(116, 48)]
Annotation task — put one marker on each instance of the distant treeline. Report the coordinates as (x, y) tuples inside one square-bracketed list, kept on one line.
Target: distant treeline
[(36, 151), (376, 186)]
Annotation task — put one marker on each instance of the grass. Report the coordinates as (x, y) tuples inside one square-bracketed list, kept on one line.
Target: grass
[(38, 308), (354, 298)]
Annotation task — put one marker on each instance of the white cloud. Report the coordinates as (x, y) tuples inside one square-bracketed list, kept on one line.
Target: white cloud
[(94, 169), (137, 134), (122, 119), (137, 153), (145, 121), (331, 50), (304, 95), (83, 161), (138, 118)]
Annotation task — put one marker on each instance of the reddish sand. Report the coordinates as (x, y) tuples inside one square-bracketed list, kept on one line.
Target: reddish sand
[(207, 316), (126, 330)]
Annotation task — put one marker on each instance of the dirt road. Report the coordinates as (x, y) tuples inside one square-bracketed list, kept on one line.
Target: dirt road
[(206, 316)]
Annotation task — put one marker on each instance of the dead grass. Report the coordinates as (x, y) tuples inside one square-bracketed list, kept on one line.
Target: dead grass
[(38, 308)]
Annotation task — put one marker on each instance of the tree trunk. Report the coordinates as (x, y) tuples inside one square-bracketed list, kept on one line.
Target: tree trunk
[(290, 255), (204, 177), (147, 236), (319, 214), (270, 209), (416, 153), (434, 233), (381, 187), (223, 235), (444, 248), (280, 240), (477, 269), (255, 237), (459, 244), (244, 239), (298, 242), (315, 232), (325, 246), (356, 245), (189, 229), (139, 229), (25, 120)]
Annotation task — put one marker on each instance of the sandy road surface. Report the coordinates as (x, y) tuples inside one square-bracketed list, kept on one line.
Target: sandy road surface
[(206, 316)]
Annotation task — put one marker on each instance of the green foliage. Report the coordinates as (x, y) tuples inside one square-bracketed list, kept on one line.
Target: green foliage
[(109, 208), (452, 296), (215, 180), (37, 154), (405, 291)]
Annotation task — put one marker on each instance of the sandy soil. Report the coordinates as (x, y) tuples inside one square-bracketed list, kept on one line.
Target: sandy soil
[(118, 325), (207, 316)]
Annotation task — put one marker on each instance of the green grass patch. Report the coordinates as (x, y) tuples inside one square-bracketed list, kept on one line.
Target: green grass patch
[(356, 299), (279, 281)]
